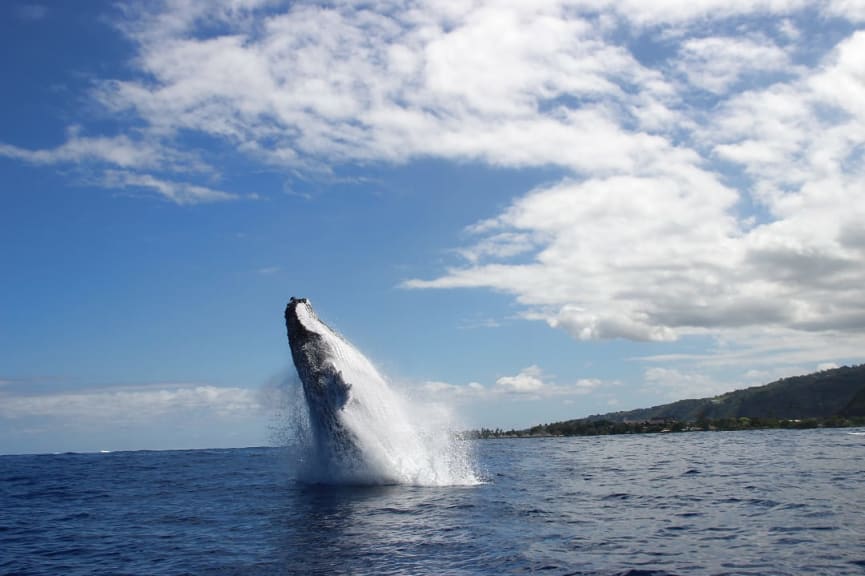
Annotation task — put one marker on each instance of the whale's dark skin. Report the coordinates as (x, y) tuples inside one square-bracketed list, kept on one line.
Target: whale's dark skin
[(324, 388)]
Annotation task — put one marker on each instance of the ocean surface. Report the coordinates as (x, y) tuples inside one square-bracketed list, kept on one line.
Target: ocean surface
[(754, 502)]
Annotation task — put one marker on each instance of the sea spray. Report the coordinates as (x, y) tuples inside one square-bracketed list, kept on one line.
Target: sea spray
[(438, 456), (357, 428), (283, 398)]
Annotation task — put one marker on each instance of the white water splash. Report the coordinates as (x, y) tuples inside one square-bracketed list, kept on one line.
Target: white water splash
[(398, 441)]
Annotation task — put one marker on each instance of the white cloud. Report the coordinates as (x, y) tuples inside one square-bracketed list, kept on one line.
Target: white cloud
[(348, 84), (666, 250), (853, 10), (647, 241), (717, 63), (134, 404), (314, 86), (673, 384), (436, 388), (178, 192), (528, 381), (514, 84), (622, 255), (504, 83), (127, 163), (119, 151), (678, 12), (499, 246), (789, 30), (734, 212)]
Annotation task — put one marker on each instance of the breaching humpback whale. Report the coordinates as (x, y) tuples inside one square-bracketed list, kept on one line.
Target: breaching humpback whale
[(362, 431), (317, 351)]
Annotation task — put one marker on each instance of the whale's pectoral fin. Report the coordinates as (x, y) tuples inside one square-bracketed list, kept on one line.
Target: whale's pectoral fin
[(338, 389)]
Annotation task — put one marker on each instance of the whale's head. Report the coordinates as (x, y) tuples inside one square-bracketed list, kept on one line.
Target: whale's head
[(295, 311), (314, 349)]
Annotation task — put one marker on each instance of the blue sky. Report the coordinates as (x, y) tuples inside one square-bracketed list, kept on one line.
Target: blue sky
[(526, 211)]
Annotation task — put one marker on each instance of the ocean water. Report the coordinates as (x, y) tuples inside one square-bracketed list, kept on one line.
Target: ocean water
[(755, 502)]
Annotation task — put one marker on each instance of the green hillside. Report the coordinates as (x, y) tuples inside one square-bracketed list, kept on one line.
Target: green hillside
[(832, 396), (836, 392)]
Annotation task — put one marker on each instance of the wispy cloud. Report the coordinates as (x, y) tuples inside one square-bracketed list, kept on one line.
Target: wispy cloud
[(672, 384), (133, 403), (269, 270), (115, 150), (31, 12), (177, 192), (123, 162), (718, 64)]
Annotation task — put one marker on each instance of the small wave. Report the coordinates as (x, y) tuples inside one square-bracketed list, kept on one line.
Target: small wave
[(640, 572), (617, 496)]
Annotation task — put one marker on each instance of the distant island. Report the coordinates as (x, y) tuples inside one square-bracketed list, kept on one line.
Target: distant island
[(830, 398)]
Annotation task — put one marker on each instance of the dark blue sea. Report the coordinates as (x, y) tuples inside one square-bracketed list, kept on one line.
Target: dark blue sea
[(756, 502)]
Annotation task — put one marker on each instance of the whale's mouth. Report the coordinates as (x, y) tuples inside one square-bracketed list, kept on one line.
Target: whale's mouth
[(299, 315)]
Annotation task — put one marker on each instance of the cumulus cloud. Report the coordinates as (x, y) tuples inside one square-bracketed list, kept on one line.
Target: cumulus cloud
[(669, 247), (527, 381), (349, 84), (504, 83), (621, 255), (551, 83), (712, 149)]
